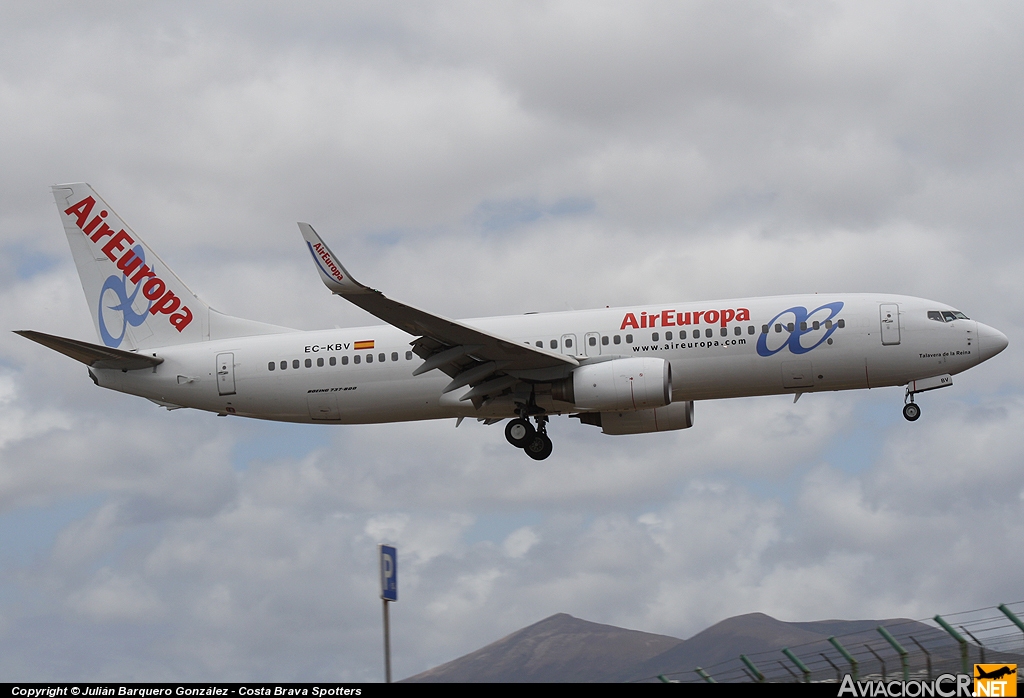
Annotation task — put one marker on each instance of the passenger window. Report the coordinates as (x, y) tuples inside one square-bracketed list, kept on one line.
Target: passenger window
[(295, 363), (271, 366), (778, 327), (789, 327), (284, 365), (356, 358), (750, 329), (725, 331), (540, 344), (828, 324), (764, 329), (803, 326), (592, 341), (816, 324), (841, 323), (408, 356), (320, 361), (554, 343), (344, 360), (394, 356), (369, 358), (334, 361), (935, 315), (668, 336), (568, 344), (738, 331), (629, 339), (309, 363), (382, 357), (617, 339), (604, 340), (708, 332), (654, 336)]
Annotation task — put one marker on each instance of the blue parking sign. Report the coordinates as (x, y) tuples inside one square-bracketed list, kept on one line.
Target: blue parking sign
[(388, 573)]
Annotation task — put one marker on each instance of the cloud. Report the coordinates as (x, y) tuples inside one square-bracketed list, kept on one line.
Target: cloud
[(481, 160)]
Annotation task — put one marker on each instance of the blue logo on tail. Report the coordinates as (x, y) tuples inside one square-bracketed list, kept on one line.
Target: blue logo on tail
[(118, 285)]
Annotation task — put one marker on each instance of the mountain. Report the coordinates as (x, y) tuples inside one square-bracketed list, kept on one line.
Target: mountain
[(566, 649), (754, 633), (556, 649)]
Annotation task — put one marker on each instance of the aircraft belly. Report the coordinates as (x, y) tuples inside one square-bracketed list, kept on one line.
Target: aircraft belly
[(390, 401), (709, 378)]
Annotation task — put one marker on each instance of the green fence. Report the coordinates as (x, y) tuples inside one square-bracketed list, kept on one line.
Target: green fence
[(919, 649)]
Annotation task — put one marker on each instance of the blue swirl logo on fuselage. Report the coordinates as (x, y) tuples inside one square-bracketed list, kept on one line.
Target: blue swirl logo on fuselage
[(122, 303), (803, 324)]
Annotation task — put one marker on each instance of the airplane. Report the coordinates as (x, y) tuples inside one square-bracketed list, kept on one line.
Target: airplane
[(995, 673), (630, 370)]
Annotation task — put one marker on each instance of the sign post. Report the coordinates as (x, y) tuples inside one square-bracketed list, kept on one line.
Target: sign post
[(388, 592)]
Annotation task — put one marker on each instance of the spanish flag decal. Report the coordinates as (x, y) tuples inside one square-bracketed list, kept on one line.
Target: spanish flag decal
[(365, 344)]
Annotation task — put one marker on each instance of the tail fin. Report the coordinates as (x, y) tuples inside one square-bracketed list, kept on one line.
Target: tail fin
[(137, 302)]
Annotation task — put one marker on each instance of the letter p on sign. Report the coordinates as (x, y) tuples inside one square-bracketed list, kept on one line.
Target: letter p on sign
[(388, 573)]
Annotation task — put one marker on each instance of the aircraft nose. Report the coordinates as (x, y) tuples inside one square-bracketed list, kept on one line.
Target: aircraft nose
[(990, 341)]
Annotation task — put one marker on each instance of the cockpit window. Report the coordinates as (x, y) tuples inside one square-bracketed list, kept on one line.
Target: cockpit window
[(946, 315)]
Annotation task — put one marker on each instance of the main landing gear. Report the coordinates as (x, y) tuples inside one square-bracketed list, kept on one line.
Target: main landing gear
[(521, 434)]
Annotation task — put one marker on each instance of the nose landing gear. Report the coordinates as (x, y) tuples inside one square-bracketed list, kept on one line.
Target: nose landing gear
[(911, 411), (521, 434)]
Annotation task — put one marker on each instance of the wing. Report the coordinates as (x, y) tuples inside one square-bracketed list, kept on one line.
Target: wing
[(93, 354), (489, 363)]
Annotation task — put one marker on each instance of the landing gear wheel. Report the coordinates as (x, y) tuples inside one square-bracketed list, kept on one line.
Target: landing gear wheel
[(539, 447), (911, 412), (520, 433)]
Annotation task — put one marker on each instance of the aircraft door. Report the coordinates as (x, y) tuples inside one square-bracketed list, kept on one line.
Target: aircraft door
[(226, 374), (569, 345), (592, 344), (890, 319)]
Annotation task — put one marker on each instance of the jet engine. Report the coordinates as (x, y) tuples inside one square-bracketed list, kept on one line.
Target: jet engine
[(640, 383), (678, 415)]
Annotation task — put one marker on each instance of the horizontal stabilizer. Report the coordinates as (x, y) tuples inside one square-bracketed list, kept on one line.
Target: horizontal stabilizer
[(92, 354)]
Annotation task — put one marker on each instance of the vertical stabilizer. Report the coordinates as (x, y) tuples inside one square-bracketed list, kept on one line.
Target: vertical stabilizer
[(136, 301)]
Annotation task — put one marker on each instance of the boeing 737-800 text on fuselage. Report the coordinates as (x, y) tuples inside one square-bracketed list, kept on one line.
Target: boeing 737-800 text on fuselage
[(626, 370)]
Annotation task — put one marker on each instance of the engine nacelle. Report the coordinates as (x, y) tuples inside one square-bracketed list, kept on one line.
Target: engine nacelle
[(678, 415), (640, 383)]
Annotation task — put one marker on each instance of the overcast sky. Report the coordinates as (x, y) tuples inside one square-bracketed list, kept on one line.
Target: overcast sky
[(485, 159)]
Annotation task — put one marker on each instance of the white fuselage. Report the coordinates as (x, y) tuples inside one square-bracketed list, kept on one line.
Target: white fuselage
[(813, 343)]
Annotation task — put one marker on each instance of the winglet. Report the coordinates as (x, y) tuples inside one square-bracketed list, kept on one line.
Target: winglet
[(332, 273)]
